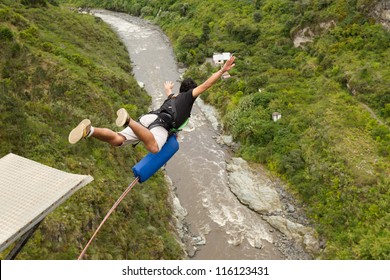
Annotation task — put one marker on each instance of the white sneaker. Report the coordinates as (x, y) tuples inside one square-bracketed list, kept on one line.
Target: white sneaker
[(81, 131), (123, 118)]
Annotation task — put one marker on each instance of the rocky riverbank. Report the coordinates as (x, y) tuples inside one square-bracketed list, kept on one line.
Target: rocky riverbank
[(254, 188), (257, 188)]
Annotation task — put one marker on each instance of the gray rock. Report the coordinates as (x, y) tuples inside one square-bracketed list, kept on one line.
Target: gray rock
[(252, 190), (302, 234), (227, 140), (290, 208)]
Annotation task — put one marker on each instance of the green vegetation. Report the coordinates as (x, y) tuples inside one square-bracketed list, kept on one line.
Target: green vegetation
[(56, 68), (333, 152)]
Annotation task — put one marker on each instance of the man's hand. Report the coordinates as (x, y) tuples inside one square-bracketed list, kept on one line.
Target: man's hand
[(168, 85), (229, 64)]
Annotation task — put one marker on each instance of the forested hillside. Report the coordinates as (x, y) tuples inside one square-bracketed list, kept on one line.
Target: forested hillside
[(56, 68), (332, 144)]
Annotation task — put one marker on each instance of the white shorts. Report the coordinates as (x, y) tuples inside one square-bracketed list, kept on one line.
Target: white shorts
[(159, 133)]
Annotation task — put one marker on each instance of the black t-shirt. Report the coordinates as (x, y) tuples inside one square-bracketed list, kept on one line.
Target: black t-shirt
[(183, 103)]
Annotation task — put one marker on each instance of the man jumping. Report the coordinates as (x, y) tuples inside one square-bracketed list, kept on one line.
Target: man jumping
[(154, 127)]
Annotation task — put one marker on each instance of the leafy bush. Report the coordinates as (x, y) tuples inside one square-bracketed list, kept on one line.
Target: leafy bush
[(6, 34), (34, 3)]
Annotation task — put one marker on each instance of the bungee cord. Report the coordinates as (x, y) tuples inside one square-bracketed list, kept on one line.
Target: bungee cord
[(108, 214)]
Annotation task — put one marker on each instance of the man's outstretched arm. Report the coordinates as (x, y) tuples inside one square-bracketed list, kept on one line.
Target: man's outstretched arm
[(229, 64), (168, 85)]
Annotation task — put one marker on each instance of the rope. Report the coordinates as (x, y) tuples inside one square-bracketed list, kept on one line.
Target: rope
[(108, 214)]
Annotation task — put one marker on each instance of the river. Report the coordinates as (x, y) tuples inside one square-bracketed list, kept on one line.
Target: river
[(216, 224)]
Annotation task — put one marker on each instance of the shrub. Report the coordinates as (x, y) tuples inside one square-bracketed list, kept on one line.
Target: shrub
[(147, 11), (189, 41), (34, 3), (135, 9), (6, 34)]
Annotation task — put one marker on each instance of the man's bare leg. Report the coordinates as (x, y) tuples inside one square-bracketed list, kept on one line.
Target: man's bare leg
[(116, 139), (145, 136), (109, 136), (142, 133)]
